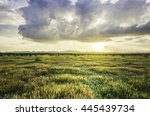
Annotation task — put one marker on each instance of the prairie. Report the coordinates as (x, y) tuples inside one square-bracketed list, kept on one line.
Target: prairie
[(74, 76)]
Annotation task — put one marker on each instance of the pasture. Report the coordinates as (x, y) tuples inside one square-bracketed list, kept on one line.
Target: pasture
[(74, 76)]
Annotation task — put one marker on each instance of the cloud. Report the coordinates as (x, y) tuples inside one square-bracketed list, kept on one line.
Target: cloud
[(8, 30), (83, 20), (45, 19), (9, 13), (8, 16), (143, 29), (126, 11)]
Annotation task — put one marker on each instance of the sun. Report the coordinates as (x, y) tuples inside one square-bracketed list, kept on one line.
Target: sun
[(99, 47)]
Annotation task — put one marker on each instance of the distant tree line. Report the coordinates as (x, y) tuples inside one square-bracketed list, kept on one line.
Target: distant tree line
[(75, 54)]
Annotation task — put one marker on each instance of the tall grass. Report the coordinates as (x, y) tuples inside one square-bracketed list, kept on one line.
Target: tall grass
[(64, 76)]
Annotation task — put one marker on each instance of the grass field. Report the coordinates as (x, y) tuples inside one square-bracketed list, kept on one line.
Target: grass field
[(70, 76)]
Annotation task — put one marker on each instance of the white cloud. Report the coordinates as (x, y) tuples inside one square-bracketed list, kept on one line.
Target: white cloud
[(3, 1), (148, 1), (111, 1), (9, 12), (74, 2)]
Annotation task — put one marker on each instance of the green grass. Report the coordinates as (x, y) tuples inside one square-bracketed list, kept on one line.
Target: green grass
[(75, 76)]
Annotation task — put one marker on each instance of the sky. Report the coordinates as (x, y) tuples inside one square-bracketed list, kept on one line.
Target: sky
[(81, 25)]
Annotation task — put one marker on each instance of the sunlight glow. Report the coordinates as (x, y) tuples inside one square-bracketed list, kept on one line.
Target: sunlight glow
[(99, 47)]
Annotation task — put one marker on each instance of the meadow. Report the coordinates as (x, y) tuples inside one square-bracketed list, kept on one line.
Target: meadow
[(74, 76)]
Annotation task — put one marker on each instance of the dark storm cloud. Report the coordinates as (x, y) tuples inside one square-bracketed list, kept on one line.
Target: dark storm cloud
[(87, 20), (132, 30), (44, 18), (88, 8)]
